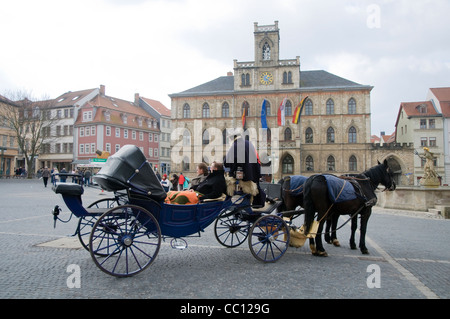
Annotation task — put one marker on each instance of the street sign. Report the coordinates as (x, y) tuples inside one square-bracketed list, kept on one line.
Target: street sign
[(97, 160)]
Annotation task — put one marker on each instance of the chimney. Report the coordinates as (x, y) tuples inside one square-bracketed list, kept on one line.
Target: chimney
[(229, 73), (382, 133), (136, 98), (102, 89)]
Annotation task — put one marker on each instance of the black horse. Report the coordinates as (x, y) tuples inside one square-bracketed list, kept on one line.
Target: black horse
[(316, 199), (292, 196)]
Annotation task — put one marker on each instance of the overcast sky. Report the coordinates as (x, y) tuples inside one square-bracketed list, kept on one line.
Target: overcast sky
[(155, 48)]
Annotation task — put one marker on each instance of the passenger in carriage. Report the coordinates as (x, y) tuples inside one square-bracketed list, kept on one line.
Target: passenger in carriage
[(214, 185)]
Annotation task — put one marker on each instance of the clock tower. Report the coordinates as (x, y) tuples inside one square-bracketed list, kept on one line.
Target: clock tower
[(267, 72)]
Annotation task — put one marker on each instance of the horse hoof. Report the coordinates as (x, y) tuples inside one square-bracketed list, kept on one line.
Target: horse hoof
[(336, 243), (365, 251), (322, 254), (313, 249)]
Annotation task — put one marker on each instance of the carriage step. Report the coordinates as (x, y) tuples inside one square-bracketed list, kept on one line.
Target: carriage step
[(68, 189)]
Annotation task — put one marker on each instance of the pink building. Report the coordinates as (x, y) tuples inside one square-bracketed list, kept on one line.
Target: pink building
[(106, 124)]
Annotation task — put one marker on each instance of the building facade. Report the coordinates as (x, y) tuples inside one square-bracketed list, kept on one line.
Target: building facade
[(105, 123), (163, 115), (332, 135), (9, 149)]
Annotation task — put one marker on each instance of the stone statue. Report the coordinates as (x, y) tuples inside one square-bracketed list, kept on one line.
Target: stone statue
[(430, 177)]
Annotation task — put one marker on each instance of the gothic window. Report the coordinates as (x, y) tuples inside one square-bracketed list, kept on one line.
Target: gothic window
[(205, 138), (330, 107), (309, 164), (245, 79), (186, 138), (186, 111), (245, 106), (266, 52), (287, 77), (352, 135), (308, 107), (287, 165), (352, 164), (225, 109), (288, 108), (205, 110), (352, 106), (309, 136), (268, 110), (330, 135), (288, 134), (331, 163)]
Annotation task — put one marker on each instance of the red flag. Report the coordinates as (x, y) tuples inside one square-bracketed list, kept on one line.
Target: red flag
[(281, 113)]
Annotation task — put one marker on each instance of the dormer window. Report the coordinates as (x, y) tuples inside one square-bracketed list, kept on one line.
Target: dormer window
[(107, 116), (422, 108), (139, 120), (124, 119), (266, 52)]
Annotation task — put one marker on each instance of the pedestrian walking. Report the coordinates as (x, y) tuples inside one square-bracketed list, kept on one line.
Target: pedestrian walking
[(45, 175), (181, 181)]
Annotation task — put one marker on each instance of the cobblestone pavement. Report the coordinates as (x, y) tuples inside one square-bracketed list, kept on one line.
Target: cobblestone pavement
[(408, 250)]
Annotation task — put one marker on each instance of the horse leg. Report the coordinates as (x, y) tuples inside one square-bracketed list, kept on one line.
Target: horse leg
[(333, 235), (312, 246), (328, 236), (352, 236), (320, 251), (362, 240)]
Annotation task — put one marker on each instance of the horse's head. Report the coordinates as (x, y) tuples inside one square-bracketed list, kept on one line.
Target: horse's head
[(386, 176)]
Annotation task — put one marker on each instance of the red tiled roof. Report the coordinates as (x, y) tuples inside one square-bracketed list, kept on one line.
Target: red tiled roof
[(158, 106), (443, 95)]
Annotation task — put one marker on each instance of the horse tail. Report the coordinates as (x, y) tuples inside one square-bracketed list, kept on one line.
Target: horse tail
[(308, 203)]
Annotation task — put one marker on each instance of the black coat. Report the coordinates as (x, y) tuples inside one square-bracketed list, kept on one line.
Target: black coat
[(243, 154), (213, 186)]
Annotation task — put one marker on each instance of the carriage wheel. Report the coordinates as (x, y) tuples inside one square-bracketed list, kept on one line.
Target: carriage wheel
[(230, 230), (125, 240), (269, 238), (86, 223)]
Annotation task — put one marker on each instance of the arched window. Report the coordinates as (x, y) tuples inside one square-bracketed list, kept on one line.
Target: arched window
[(330, 107), (289, 77), (285, 77), (224, 136), (330, 135), (245, 107), (287, 134), (309, 164), (352, 106), (205, 137), (205, 110), (185, 164), (352, 164), (245, 79), (309, 136), (268, 108), (186, 111), (287, 165), (186, 138), (308, 107), (225, 109), (288, 108), (266, 52), (331, 163), (352, 135)]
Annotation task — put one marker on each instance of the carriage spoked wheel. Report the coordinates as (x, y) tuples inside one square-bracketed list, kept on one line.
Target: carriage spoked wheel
[(231, 230), (125, 240), (269, 238), (86, 223)]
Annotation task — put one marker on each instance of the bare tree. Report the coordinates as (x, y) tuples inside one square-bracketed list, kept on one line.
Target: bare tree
[(28, 118)]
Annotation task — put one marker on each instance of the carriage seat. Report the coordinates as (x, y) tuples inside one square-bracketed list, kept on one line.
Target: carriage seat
[(68, 189)]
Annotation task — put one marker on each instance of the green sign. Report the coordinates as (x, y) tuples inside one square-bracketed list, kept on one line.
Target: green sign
[(97, 160)]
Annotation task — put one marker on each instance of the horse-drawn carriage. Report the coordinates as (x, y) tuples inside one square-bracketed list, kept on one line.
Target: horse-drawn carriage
[(124, 234)]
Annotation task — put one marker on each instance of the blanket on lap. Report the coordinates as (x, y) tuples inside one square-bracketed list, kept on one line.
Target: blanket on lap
[(339, 190)]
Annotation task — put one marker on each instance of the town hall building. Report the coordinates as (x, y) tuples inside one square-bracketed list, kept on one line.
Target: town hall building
[(332, 134)]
